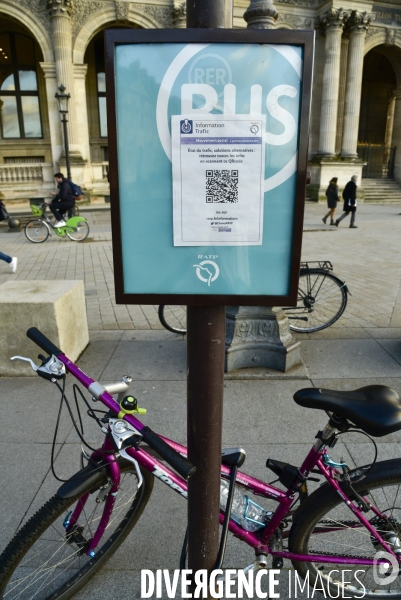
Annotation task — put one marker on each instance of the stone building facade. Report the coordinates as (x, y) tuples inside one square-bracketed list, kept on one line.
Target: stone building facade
[(356, 106)]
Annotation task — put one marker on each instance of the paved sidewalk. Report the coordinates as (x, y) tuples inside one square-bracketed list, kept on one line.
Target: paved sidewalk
[(368, 258), (362, 348)]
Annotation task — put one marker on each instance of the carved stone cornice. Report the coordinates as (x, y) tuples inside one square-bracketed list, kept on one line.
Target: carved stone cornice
[(36, 8), (163, 15), (360, 21), (295, 21), (122, 11), (334, 18), (59, 8), (261, 14), (304, 3), (373, 31)]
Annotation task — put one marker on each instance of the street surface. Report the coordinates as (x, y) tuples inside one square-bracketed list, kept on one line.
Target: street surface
[(362, 348)]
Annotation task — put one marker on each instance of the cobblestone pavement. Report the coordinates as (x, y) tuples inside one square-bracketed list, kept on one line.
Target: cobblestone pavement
[(368, 258)]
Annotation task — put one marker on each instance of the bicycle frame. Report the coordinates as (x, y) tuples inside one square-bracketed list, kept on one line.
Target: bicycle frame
[(260, 540), (60, 231)]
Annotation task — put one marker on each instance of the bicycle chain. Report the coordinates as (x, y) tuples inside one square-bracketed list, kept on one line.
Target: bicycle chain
[(345, 523)]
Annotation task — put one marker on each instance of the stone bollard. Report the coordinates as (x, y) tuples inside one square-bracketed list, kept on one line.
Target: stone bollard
[(56, 308)]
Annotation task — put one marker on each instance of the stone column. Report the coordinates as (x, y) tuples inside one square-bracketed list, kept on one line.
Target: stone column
[(341, 93), (332, 22), (390, 123), (396, 140), (56, 138), (261, 14), (357, 25), (60, 13)]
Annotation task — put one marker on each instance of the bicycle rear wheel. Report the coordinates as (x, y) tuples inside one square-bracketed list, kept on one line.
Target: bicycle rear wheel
[(322, 298), (37, 231), (325, 525), (173, 317), (43, 562), (79, 233)]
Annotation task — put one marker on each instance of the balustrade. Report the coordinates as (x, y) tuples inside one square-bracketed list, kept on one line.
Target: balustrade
[(20, 173)]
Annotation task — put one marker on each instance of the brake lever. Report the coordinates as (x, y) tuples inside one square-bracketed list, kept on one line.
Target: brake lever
[(34, 367), (52, 370)]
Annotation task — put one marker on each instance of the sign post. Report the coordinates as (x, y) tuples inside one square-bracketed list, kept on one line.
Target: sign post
[(208, 131), (206, 325)]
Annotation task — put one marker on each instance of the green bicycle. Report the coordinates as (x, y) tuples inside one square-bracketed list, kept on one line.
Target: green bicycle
[(39, 229)]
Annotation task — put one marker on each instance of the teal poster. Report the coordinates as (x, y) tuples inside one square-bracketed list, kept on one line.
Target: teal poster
[(256, 86)]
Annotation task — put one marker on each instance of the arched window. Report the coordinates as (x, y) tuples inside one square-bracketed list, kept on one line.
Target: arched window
[(19, 96)]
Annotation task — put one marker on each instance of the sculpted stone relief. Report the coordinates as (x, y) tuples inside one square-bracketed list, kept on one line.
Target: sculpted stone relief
[(83, 11), (36, 8), (295, 21)]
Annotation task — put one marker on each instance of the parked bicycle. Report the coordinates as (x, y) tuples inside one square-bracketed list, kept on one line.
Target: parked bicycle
[(39, 229), (322, 299), (351, 522)]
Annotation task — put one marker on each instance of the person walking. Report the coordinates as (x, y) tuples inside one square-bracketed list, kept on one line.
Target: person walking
[(350, 202), (11, 260), (332, 199), (63, 200)]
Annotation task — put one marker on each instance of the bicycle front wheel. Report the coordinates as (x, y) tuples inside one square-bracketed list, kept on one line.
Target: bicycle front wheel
[(173, 317), (44, 562), (37, 231), (322, 298), (325, 525), (79, 233)]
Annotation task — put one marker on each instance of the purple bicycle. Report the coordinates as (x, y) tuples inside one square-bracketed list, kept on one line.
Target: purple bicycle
[(350, 524)]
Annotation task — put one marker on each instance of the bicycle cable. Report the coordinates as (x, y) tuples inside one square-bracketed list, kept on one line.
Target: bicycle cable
[(79, 433)]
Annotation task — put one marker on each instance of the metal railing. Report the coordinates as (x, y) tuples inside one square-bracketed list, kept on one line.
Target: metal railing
[(380, 160)]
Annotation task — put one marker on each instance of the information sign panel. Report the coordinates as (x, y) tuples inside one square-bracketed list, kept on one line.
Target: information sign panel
[(208, 135)]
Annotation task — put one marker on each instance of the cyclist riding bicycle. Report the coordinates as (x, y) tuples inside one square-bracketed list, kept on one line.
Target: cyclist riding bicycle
[(62, 201)]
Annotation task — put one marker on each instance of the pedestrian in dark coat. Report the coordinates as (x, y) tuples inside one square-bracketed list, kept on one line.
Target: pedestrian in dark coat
[(350, 202), (332, 199)]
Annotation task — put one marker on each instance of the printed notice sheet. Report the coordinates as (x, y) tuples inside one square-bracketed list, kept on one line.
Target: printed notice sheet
[(218, 177)]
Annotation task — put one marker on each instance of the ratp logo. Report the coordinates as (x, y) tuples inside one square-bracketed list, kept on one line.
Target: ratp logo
[(207, 271), (186, 126)]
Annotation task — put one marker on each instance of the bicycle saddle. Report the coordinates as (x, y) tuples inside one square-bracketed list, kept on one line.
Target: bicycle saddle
[(376, 409)]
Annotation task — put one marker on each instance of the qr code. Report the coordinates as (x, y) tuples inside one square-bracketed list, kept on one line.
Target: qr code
[(221, 186)]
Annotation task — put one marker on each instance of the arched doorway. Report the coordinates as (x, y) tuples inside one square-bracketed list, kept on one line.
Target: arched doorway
[(24, 125), (375, 137), (96, 99)]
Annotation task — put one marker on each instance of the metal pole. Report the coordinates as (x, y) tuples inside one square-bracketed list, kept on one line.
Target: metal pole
[(210, 13), (205, 383), (205, 380), (67, 150)]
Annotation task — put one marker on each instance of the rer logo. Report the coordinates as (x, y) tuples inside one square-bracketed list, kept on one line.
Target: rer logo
[(199, 81), (186, 126)]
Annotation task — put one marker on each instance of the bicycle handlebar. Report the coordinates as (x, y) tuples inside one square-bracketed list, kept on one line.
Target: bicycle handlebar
[(171, 456), (42, 341)]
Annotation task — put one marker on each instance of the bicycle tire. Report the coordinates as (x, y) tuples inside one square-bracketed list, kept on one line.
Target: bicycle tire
[(173, 317), (34, 540), (322, 299), (311, 533), (78, 233), (36, 231)]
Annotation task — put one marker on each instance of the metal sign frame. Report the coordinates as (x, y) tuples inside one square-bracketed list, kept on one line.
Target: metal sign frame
[(118, 37)]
